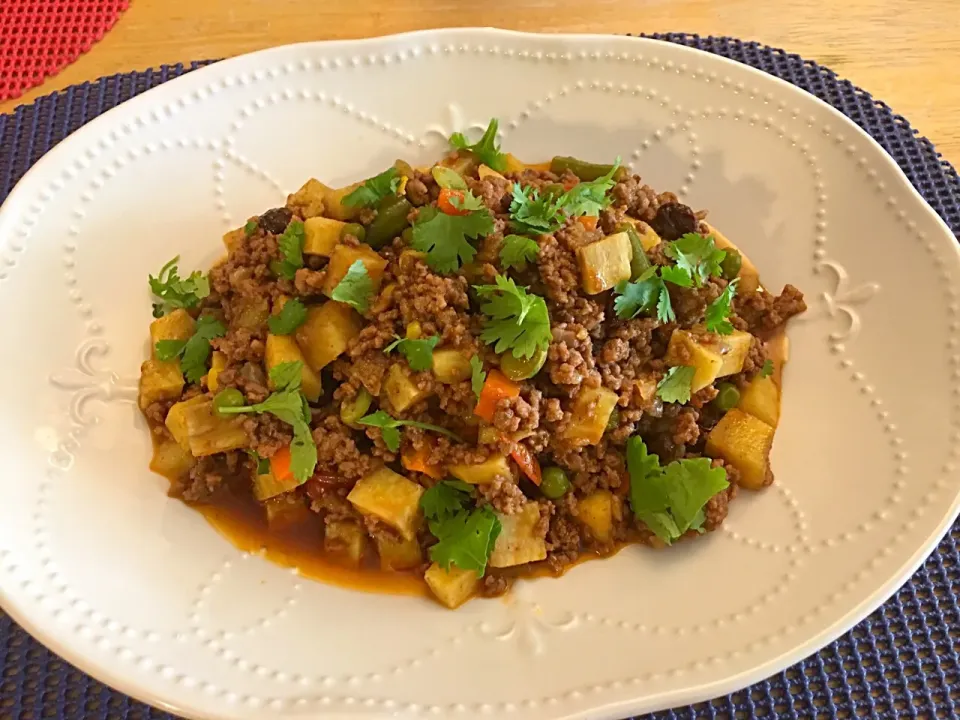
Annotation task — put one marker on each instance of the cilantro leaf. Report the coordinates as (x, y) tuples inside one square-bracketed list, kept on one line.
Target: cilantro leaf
[(291, 316), (174, 292), (718, 312), (466, 540), (356, 287), (589, 198), (698, 255), (372, 191), (291, 251), (263, 464), (287, 375), (444, 237), (194, 352), (515, 320), (676, 385), (486, 149), (767, 369), (665, 313), (444, 500), (677, 275), (419, 353), (250, 228), (390, 428), (670, 500), (639, 296), (466, 200), (535, 214), (517, 251), (169, 349), (477, 375)]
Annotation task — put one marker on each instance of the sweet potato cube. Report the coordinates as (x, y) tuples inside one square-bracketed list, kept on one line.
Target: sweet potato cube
[(160, 380), (452, 587), (761, 398), (309, 199), (343, 256), (333, 201), (398, 553), (282, 349), (346, 541), (177, 325), (401, 390), (190, 417), (518, 542), (286, 511), (321, 235), (590, 414), (171, 460), (596, 512), (604, 263), (482, 473), (326, 332), (705, 360), (391, 498), (743, 441), (734, 349)]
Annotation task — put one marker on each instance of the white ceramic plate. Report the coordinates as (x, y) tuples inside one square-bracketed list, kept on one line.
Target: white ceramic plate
[(139, 591)]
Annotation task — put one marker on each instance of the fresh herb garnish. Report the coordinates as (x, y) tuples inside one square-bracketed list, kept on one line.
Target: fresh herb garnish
[(767, 369), (517, 251), (670, 500), (516, 321), (263, 464), (477, 375), (589, 198), (718, 312), (698, 255), (648, 293), (419, 353), (675, 387), (486, 149), (291, 316), (466, 535), (533, 213), (443, 237), (290, 406), (356, 287), (291, 251), (250, 228), (174, 292), (194, 352), (390, 428), (465, 201), (372, 191)]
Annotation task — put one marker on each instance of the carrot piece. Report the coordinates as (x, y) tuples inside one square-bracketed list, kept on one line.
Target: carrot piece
[(416, 461), (445, 202), (527, 462), (280, 464), (496, 387), (589, 222)]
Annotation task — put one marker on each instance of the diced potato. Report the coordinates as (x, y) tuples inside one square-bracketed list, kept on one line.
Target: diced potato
[(160, 380), (451, 366), (309, 199), (710, 355), (744, 442), (761, 399), (646, 386), (482, 473), (398, 554), (321, 235), (648, 236), (190, 417), (518, 542), (171, 460), (346, 541), (452, 587), (343, 256), (283, 348), (391, 498), (749, 275), (218, 361), (604, 263), (286, 511), (227, 435), (734, 349), (326, 332), (484, 172), (591, 413), (233, 239), (596, 512), (400, 390), (251, 312), (177, 325), (333, 199), (266, 486)]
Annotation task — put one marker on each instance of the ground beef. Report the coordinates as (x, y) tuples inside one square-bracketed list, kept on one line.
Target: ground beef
[(337, 451), (570, 362), (594, 466), (422, 189), (690, 304), (766, 313), (494, 191), (560, 275), (494, 585), (503, 495), (267, 433), (241, 345), (563, 540), (211, 476), (249, 378), (685, 429), (640, 200), (521, 413), (309, 282), (156, 414)]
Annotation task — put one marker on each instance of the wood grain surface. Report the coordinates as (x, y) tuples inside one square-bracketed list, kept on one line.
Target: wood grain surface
[(907, 54)]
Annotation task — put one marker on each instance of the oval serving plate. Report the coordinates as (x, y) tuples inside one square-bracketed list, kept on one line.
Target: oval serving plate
[(141, 592)]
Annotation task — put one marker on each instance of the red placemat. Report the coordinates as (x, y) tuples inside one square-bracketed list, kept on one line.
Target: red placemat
[(38, 38)]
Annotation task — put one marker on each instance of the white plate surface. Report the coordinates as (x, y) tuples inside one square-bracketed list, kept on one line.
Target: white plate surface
[(138, 590)]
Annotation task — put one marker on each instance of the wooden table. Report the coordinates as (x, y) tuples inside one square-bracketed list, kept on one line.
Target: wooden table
[(909, 58)]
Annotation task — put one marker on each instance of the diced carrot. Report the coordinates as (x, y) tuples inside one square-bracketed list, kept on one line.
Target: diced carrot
[(280, 464), (445, 202), (496, 387), (416, 461), (527, 462), (589, 222)]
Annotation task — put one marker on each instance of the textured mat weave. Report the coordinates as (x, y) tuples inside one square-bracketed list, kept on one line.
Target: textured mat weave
[(38, 38), (900, 662)]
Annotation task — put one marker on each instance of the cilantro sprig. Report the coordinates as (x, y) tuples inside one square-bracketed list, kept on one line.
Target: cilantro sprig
[(485, 149), (291, 316), (767, 369), (676, 385), (515, 320), (419, 352), (670, 500), (466, 535), (718, 312), (372, 191), (477, 376), (517, 251), (290, 406), (390, 428), (698, 255), (175, 292), (195, 351), (443, 237), (291, 251), (356, 287), (535, 213), (647, 294)]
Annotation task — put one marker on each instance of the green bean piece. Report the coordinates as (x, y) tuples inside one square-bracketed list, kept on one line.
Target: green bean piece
[(730, 265), (614, 420), (584, 170), (522, 368), (554, 483), (639, 261), (728, 397), (355, 229), (355, 408), (227, 398), (390, 221)]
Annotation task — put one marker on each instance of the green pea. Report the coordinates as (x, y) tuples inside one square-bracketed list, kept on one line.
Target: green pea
[(728, 397), (554, 483), (355, 408), (522, 368), (355, 229), (227, 398), (730, 265), (614, 420)]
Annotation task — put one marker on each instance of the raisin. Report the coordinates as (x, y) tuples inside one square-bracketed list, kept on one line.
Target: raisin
[(674, 220), (275, 221)]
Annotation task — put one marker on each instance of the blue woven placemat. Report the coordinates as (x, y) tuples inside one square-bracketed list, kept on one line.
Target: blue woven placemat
[(900, 662)]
